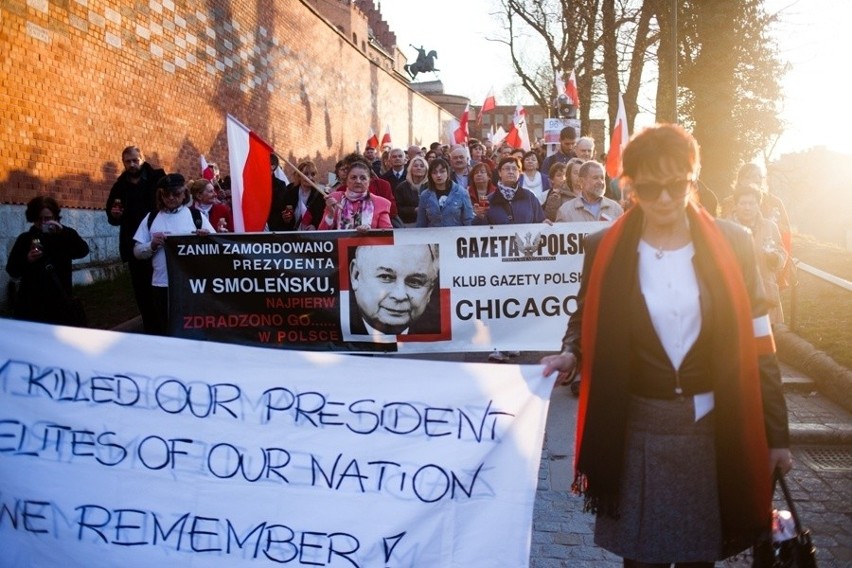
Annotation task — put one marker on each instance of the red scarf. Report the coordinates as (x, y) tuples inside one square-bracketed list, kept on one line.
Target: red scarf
[(741, 447)]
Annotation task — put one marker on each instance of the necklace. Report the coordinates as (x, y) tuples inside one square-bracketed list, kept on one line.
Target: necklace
[(661, 248)]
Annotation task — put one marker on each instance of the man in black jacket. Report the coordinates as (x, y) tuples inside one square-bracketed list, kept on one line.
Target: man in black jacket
[(130, 199), (397, 172)]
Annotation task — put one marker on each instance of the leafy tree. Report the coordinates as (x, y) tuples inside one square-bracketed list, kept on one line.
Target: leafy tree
[(730, 73)]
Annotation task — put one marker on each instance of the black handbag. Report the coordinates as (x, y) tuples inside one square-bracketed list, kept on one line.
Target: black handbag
[(795, 552)]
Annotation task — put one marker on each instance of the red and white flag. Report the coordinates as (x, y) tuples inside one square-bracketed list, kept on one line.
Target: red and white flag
[(489, 104), (617, 142), (386, 137), (206, 170), (251, 177), (372, 140), (569, 88), (519, 135), (460, 134)]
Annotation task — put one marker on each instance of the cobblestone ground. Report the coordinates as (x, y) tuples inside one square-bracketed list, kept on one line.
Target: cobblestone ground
[(563, 534)]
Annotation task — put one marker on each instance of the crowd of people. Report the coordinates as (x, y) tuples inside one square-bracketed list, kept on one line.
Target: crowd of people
[(440, 186), (679, 412)]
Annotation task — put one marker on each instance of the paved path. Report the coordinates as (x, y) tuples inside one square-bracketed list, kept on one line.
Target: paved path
[(563, 534)]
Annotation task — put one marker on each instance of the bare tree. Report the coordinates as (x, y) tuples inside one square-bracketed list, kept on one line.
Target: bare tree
[(728, 68)]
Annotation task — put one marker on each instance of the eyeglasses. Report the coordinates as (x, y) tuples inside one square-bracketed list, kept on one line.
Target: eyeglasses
[(650, 191)]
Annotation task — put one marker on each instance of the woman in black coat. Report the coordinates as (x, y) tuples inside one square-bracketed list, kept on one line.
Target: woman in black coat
[(41, 260)]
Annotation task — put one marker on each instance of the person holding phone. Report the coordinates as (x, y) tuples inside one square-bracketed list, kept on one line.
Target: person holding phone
[(41, 261)]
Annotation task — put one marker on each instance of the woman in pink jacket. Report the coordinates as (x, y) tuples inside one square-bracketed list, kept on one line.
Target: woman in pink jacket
[(354, 208)]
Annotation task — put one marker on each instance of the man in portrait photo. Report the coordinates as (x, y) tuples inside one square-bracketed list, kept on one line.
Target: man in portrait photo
[(394, 290)]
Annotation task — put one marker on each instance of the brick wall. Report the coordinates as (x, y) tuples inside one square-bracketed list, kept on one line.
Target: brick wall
[(81, 79)]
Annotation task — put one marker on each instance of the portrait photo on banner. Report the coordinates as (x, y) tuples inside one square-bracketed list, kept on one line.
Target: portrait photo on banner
[(391, 293)]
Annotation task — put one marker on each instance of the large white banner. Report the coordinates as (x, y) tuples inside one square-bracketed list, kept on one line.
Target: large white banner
[(127, 450)]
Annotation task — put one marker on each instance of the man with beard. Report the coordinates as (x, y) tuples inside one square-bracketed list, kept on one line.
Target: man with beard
[(130, 200), (591, 205)]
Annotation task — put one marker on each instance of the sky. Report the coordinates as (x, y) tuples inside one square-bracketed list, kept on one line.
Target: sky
[(813, 37)]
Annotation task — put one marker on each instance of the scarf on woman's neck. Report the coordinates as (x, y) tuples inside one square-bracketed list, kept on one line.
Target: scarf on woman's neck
[(741, 447), (508, 192), (356, 209)]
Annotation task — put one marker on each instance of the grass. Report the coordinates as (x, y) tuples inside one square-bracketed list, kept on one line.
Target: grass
[(823, 314), (108, 302)]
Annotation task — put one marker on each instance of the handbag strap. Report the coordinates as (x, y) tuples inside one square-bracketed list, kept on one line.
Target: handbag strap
[(779, 478)]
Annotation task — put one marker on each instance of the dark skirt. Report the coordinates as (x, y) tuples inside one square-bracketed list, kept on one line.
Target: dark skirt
[(669, 504)]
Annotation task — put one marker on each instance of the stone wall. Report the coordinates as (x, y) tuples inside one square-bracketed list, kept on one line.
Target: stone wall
[(82, 79)]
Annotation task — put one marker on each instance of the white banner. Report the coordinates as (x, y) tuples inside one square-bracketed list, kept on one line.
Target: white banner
[(127, 450), (450, 289)]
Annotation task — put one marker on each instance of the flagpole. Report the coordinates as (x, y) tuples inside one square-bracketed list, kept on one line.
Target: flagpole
[(320, 188)]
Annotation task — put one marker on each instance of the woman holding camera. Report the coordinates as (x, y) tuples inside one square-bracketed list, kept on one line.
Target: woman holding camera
[(41, 259)]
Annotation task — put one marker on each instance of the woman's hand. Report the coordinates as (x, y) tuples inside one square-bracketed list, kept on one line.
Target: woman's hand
[(363, 229), (331, 203), (51, 227), (780, 458), (565, 363), (34, 254), (157, 241)]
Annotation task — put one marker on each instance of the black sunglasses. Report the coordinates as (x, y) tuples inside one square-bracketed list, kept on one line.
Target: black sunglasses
[(650, 191)]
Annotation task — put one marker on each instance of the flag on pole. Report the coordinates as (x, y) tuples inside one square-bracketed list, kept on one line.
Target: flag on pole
[(372, 140), (569, 89), (206, 170), (386, 137), (460, 133), (251, 178), (490, 103), (617, 142), (519, 135)]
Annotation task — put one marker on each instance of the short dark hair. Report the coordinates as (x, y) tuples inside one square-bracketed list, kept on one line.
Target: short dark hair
[(568, 133), (505, 160), (36, 204), (129, 149), (434, 165)]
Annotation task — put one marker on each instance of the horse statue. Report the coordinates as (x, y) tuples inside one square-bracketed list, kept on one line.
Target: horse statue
[(425, 63)]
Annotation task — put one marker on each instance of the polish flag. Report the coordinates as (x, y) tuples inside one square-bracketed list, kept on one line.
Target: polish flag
[(372, 140), (386, 139), (568, 89), (460, 133), (206, 170), (251, 178), (489, 104), (519, 135), (571, 89), (617, 142)]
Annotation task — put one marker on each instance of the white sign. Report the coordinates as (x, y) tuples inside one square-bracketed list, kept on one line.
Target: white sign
[(127, 450)]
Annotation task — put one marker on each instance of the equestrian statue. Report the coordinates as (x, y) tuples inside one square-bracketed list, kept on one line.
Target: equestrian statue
[(425, 63)]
